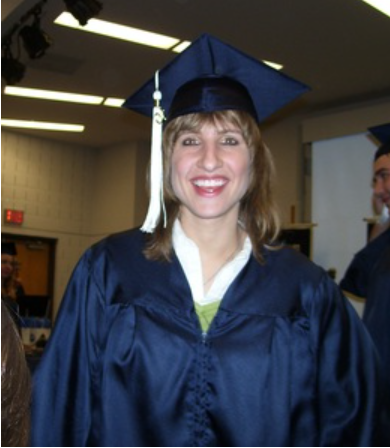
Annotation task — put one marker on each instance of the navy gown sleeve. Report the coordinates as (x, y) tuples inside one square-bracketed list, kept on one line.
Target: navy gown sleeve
[(348, 378), (62, 383)]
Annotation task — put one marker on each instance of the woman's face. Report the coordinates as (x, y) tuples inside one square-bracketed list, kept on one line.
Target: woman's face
[(7, 265), (210, 170)]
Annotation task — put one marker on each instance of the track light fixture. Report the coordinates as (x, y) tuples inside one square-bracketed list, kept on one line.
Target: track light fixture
[(35, 40), (12, 70), (83, 10)]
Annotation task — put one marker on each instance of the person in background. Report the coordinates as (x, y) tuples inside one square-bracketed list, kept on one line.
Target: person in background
[(377, 310), (199, 329), (381, 180), (15, 385), (10, 287), (356, 278), (368, 275)]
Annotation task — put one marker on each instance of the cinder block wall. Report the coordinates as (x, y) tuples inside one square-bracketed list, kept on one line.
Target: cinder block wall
[(74, 194)]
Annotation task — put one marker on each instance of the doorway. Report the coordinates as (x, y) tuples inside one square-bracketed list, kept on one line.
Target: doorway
[(35, 264)]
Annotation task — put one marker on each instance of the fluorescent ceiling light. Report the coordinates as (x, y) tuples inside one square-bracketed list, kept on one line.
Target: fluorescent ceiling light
[(381, 5), (274, 65), (43, 125), (182, 46), (117, 31), (53, 95), (130, 34), (113, 102)]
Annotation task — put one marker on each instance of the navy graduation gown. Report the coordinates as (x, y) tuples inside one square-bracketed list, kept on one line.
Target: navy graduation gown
[(377, 310), (286, 361), (356, 277), (377, 319)]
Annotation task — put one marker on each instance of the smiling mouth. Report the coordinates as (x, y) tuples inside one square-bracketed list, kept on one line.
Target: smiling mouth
[(209, 183)]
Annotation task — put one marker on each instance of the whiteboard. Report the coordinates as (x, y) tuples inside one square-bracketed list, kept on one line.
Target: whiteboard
[(341, 199)]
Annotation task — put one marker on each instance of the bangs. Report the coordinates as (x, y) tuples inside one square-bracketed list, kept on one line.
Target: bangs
[(224, 119)]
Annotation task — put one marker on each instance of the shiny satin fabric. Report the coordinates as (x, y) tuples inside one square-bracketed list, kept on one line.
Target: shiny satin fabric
[(286, 361)]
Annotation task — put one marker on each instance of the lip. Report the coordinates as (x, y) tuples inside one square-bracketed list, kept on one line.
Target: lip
[(209, 186)]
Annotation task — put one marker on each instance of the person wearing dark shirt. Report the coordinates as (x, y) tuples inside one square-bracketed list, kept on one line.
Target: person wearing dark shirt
[(11, 290), (356, 278)]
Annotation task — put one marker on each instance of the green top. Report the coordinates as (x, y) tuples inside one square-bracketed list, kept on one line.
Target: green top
[(206, 313)]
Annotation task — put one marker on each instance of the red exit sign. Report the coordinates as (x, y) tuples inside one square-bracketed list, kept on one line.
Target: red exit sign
[(13, 216)]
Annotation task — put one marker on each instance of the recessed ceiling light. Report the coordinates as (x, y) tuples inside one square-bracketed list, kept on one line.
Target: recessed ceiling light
[(53, 95), (117, 31), (43, 125), (381, 5)]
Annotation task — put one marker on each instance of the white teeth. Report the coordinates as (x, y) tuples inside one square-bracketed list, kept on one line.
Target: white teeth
[(208, 183)]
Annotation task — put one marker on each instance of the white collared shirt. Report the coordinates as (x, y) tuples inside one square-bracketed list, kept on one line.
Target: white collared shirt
[(189, 257)]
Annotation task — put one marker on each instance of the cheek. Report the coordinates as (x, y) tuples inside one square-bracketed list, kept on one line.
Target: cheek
[(243, 171), (179, 168)]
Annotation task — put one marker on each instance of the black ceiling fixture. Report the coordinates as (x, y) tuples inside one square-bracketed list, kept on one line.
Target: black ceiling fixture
[(12, 70), (35, 40), (83, 10)]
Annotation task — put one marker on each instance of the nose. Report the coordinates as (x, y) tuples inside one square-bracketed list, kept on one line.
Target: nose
[(210, 157)]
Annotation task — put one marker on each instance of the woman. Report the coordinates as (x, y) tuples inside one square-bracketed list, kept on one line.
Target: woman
[(204, 332)]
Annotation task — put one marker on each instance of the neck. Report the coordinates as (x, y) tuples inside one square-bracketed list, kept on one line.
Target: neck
[(218, 241), (212, 236), (208, 279)]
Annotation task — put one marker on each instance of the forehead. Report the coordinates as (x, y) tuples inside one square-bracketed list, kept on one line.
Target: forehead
[(219, 120), (382, 163)]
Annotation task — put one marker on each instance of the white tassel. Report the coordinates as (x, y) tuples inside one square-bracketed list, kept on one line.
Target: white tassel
[(156, 166)]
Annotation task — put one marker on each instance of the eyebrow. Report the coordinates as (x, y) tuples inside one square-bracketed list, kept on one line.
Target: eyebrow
[(381, 171), (220, 131)]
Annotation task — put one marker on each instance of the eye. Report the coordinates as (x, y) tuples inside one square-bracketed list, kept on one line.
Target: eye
[(190, 141), (382, 177), (230, 141)]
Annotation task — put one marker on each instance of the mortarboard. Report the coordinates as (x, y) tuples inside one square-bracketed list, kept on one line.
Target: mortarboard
[(208, 57), (382, 134), (208, 76), (8, 248)]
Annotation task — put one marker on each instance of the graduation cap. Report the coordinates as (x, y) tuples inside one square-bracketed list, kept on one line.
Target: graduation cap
[(8, 248), (382, 134), (208, 76)]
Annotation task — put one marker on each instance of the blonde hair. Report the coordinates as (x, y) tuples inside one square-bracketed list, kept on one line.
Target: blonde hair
[(258, 211), (15, 385)]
